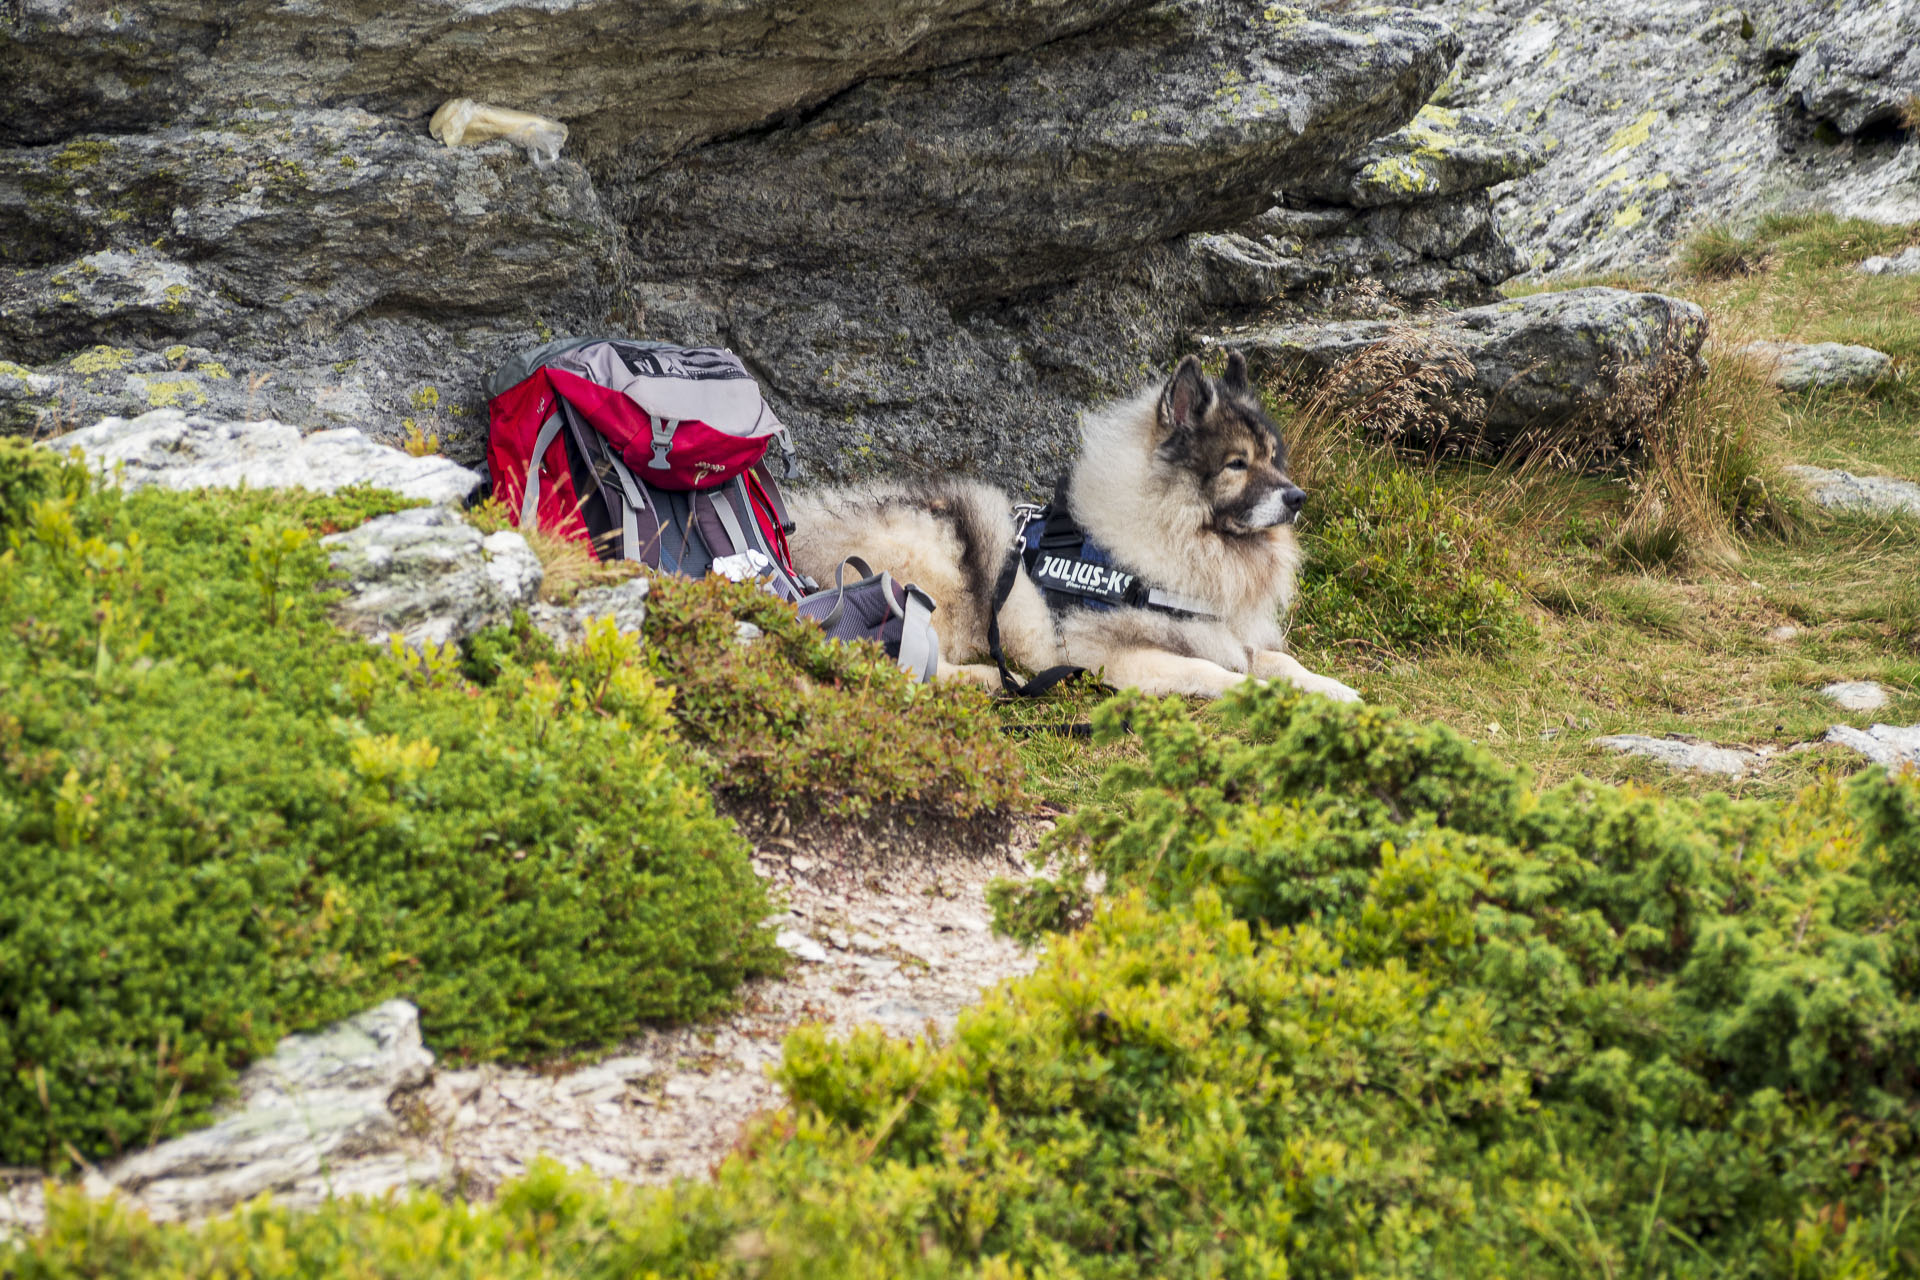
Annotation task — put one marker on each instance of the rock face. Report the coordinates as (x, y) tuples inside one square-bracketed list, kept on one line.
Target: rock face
[(1579, 366), (1814, 366), (935, 229), (310, 1122), (170, 449), (1661, 114), (1864, 68), (1875, 495), (428, 577)]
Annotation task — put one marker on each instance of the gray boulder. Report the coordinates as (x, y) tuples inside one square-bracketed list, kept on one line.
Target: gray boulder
[(1681, 753), (310, 1122), (1874, 495), (170, 449), (1864, 68), (1904, 263), (428, 577), (935, 229), (1582, 367), (1814, 366)]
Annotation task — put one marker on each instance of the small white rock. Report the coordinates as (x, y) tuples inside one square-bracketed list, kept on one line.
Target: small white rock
[(1844, 491), (1857, 695), (800, 946), (1905, 263), (1804, 366)]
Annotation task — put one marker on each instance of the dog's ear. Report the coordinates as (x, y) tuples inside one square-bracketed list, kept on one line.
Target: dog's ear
[(1185, 399), (1236, 379)]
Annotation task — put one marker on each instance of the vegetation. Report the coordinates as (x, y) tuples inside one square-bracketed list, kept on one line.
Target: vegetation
[(1367, 1001), (1656, 591), (794, 720), (225, 819)]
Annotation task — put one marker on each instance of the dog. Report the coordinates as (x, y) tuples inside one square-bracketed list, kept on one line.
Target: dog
[(1184, 486)]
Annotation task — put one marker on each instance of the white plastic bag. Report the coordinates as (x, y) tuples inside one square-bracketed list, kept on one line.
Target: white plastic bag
[(462, 122)]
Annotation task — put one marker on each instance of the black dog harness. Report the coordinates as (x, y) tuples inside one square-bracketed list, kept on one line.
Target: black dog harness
[(1072, 571)]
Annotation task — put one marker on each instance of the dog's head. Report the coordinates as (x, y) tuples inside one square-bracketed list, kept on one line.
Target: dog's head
[(1217, 434)]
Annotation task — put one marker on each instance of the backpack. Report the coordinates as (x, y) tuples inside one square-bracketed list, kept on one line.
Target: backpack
[(645, 451), (655, 453)]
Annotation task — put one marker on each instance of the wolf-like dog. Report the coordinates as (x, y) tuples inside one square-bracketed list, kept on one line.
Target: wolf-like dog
[(1184, 486)]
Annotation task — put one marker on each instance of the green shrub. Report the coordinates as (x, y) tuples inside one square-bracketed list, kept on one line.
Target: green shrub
[(799, 722), (224, 819), (1366, 1004), (1393, 563)]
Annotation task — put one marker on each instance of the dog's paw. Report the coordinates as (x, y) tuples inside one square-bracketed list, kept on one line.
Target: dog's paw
[(1328, 687)]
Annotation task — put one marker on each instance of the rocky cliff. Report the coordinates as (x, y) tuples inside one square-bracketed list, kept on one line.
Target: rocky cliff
[(934, 228), (1659, 115)]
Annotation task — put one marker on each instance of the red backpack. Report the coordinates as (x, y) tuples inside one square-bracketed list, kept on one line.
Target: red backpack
[(645, 451)]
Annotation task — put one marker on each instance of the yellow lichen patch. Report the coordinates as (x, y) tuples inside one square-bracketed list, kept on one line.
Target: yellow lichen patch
[(212, 369), (81, 155), (1632, 135), (8, 369), (177, 393), (1628, 217), (176, 353), (100, 360), (1398, 173)]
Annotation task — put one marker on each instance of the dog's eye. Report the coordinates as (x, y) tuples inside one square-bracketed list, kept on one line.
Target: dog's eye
[(1238, 464)]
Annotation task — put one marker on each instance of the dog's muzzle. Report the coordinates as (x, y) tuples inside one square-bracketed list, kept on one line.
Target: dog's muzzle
[(1277, 508)]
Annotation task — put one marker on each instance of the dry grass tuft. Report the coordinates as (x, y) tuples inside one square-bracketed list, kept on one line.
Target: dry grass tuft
[(1707, 471), (1411, 388), (567, 566)]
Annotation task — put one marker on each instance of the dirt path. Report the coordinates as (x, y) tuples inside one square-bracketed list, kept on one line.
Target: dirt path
[(899, 942)]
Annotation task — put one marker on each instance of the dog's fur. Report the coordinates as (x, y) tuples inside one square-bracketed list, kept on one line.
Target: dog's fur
[(1185, 485)]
